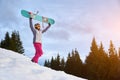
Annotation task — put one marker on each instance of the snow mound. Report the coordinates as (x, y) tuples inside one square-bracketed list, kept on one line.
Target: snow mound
[(14, 66)]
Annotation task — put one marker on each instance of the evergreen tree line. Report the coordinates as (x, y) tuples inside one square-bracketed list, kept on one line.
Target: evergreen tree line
[(55, 63), (12, 42), (98, 65)]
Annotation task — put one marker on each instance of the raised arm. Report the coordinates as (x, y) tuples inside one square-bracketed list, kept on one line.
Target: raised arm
[(44, 30), (31, 25)]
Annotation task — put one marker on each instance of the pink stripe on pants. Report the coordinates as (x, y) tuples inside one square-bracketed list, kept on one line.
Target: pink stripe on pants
[(39, 52)]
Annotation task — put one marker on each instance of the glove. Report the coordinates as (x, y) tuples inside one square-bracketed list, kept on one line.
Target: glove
[(49, 24)]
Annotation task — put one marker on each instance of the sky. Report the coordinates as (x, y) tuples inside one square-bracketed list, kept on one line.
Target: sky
[(76, 23)]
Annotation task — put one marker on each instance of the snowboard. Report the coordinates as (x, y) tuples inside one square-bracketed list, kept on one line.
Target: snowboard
[(37, 17)]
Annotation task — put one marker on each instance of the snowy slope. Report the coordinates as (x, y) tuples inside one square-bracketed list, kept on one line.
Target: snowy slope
[(14, 66)]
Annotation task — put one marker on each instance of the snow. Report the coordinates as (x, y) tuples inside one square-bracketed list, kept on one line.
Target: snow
[(14, 66)]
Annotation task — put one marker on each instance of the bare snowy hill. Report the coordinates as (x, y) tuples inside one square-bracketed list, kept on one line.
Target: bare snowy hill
[(14, 66)]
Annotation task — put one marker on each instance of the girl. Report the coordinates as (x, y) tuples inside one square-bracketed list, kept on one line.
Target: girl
[(37, 34)]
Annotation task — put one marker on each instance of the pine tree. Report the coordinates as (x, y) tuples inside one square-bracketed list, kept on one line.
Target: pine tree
[(55, 63), (78, 64), (19, 44), (91, 61), (103, 69), (16, 43), (2, 44), (12, 43), (62, 64), (52, 63), (73, 68), (46, 63), (68, 66), (6, 42), (74, 64), (114, 63), (58, 62), (111, 49)]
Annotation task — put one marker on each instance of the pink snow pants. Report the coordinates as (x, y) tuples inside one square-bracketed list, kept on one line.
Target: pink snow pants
[(38, 53)]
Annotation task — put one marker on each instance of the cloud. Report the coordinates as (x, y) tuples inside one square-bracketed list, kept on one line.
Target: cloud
[(58, 35)]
